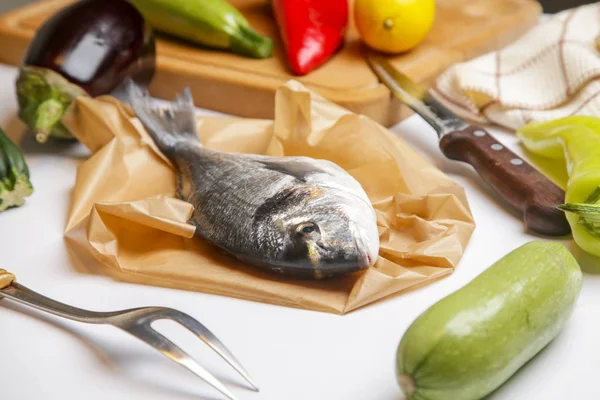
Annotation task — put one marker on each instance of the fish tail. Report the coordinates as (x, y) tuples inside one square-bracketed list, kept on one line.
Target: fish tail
[(167, 124)]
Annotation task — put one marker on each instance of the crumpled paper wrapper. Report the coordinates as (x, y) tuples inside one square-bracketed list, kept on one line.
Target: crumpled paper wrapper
[(125, 219)]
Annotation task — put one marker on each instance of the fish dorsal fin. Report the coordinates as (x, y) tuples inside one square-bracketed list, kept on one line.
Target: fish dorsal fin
[(167, 124)]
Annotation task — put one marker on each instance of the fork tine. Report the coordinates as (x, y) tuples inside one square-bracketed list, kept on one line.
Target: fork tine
[(211, 340), (165, 346)]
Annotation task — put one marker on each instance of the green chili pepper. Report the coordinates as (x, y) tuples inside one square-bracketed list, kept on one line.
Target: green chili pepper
[(576, 140)]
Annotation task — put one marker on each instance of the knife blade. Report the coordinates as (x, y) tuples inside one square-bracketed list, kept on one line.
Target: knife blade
[(511, 178)]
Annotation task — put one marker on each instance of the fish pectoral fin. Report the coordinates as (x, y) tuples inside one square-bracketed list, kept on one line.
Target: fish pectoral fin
[(299, 169)]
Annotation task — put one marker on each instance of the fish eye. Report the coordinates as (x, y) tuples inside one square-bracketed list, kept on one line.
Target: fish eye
[(307, 229)]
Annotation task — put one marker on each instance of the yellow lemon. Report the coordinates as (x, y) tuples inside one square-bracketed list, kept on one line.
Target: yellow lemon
[(394, 26)]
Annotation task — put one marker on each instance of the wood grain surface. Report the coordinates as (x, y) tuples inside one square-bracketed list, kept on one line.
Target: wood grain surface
[(240, 86)]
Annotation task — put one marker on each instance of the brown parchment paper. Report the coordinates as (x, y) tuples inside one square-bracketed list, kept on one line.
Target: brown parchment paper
[(125, 220)]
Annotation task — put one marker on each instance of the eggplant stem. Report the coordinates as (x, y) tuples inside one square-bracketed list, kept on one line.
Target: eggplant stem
[(42, 136), (588, 212), (48, 114)]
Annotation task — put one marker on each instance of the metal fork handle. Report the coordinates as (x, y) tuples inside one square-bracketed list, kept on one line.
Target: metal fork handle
[(23, 295), (136, 322)]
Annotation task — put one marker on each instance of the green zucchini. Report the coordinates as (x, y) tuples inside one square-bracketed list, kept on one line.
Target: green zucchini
[(14, 175), (469, 343), (212, 23)]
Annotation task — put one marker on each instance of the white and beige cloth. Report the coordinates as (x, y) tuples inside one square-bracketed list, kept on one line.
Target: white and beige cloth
[(553, 71)]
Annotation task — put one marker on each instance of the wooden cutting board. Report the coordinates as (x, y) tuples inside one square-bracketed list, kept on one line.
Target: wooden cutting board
[(241, 86)]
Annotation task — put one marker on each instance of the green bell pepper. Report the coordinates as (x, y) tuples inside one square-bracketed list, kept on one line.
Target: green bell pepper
[(577, 140)]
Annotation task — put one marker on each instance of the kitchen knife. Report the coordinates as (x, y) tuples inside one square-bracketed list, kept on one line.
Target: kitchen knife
[(513, 179)]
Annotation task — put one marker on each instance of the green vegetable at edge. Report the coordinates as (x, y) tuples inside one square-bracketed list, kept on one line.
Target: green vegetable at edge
[(14, 175), (576, 140), (44, 96), (469, 343), (213, 23)]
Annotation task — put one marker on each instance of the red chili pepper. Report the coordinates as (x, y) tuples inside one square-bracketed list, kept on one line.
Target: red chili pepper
[(312, 30)]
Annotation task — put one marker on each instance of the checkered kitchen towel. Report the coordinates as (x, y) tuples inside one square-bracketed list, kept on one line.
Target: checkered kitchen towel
[(553, 71)]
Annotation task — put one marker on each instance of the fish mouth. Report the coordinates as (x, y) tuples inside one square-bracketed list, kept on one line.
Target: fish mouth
[(365, 258)]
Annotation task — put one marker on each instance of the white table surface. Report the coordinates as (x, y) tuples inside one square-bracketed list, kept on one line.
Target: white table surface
[(292, 354)]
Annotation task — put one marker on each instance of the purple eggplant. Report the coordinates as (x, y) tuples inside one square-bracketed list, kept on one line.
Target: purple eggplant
[(86, 49)]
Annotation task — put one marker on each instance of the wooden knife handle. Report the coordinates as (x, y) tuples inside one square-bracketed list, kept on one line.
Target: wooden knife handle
[(517, 182)]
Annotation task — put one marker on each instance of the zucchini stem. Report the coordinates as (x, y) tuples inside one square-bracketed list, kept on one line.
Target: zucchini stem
[(249, 43), (588, 212), (15, 196)]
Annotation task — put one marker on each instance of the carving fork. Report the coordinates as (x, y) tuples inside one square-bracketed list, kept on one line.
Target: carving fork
[(136, 322)]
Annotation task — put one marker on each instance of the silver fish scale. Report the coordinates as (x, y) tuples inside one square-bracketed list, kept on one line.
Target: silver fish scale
[(296, 215), (227, 191)]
